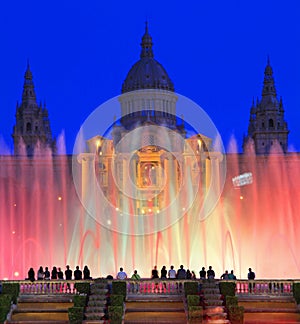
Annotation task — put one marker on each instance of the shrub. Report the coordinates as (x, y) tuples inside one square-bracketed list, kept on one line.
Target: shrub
[(79, 301), (119, 288), (75, 315), (11, 288), (195, 312), (236, 314), (227, 288), (5, 300), (191, 288), (82, 287), (193, 300), (296, 291), (3, 313), (231, 301), (117, 300), (115, 314)]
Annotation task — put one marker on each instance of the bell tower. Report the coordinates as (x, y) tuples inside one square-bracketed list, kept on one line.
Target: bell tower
[(267, 127), (32, 126)]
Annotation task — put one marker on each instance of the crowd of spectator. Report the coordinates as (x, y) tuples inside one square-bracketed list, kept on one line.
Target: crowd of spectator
[(58, 274), (181, 273)]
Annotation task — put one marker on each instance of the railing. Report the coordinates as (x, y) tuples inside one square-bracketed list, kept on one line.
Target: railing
[(158, 286), (264, 287), (48, 286)]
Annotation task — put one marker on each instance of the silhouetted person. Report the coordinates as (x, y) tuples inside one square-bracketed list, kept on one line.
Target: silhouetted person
[(210, 273), (154, 273), (31, 275), (86, 273), (231, 276), (251, 274), (54, 273), (193, 275), (47, 274), (135, 285), (181, 273), (188, 274), (163, 273), (68, 273), (202, 273), (40, 273), (60, 274), (77, 274), (121, 275), (225, 275), (172, 273)]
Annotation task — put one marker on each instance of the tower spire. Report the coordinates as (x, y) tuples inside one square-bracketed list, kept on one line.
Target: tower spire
[(269, 83), (146, 43), (267, 125), (32, 122)]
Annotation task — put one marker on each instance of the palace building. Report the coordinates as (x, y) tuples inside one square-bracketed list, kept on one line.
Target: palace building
[(152, 189), (150, 146)]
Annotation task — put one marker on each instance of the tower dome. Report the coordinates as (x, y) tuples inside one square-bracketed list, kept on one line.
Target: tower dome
[(147, 73)]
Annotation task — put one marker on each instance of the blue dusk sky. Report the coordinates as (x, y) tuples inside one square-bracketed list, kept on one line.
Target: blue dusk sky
[(215, 52)]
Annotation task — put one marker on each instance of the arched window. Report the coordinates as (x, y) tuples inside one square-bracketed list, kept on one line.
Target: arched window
[(28, 127), (271, 123)]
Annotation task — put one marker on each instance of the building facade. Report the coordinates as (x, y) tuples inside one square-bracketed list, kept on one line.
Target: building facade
[(32, 130), (267, 130)]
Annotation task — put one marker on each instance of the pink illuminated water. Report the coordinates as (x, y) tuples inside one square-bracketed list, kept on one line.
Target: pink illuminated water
[(257, 225)]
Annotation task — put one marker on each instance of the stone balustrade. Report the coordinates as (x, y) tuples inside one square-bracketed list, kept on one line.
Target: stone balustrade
[(48, 286), (264, 287), (150, 286)]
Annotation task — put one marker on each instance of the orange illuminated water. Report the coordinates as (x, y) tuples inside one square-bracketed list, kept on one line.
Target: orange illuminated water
[(257, 225)]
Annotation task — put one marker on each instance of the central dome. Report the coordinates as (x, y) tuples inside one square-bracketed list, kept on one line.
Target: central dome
[(147, 73)]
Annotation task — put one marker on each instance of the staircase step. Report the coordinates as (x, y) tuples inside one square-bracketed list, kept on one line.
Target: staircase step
[(40, 316), (155, 317), (25, 306), (24, 298), (214, 309), (38, 322), (213, 302), (216, 321), (95, 315), (98, 321), (211, 291), (212, 296), (160, 298), (154, 306)]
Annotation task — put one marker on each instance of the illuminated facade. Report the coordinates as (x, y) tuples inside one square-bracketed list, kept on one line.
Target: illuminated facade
[(267, 130), (32, 130), (149, 156)]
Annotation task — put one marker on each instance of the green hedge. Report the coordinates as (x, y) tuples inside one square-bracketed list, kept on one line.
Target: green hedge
[(82, 287), (76, 315), (79, 300), (117, 300), (195, 313), (296, 291), (115, 314), (227, 288), (5, 300), (190, 288), (119, 288), (231, 301), (11, 288), (236, 314), (3, 313), (193, 300)]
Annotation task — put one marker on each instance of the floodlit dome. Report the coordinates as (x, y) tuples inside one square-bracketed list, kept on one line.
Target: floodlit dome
[(147, 73)]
